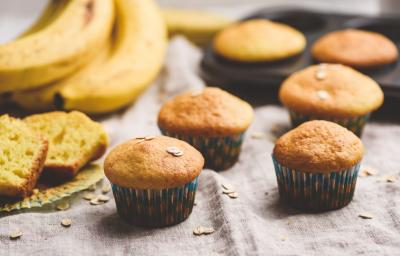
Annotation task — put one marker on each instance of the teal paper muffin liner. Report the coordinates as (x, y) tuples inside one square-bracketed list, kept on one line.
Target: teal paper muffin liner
[(155, 207), (220, 153), (354, 124), (316, 191)]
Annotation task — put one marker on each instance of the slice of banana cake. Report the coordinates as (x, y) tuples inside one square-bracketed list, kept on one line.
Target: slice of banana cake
[(74, 140), (22, 155)]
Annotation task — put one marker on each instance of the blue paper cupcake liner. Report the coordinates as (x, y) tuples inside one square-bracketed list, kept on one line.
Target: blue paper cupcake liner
[(220, 153), (354, 124), (155, 207), (316, 191)]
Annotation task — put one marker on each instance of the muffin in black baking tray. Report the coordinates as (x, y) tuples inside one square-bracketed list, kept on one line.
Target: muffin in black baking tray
[(259, 40), (266, 77), (356, 48)]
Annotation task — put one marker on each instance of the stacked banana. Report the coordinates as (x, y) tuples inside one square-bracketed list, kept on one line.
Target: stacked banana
[(95, 56)]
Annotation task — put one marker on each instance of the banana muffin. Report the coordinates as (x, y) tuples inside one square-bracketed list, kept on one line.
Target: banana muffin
[(355, 48), (211, 120), (259, 40), (317, 164), (331, 92), (154, 179)]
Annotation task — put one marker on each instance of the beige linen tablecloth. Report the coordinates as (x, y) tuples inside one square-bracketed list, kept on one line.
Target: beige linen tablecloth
[(256, 223)]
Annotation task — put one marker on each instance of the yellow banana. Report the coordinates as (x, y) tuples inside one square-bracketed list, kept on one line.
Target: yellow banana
[(59, 49), (198, 26), (53, 9), (135, 61), (42, 99)]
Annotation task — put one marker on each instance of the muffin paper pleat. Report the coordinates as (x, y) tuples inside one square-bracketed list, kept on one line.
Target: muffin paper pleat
[(316, 191), (87, 177), (220, 153), (354, 124), (155, 207)]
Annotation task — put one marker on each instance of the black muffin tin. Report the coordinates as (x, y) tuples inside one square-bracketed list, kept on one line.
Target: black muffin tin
[(265, 78)]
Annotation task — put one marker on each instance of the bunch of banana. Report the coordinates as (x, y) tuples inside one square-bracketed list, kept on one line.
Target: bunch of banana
[(42, 99), (52, 11), (135, 60), (69, 40), (126, 64)]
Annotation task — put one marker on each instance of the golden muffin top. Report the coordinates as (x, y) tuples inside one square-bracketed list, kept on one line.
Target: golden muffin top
[(259, 40), (210, 112), (153, 163), (356, 48), (319, 147), (331, 90)]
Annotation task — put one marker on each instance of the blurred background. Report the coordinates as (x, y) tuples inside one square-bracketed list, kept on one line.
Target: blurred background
[(16, 15)]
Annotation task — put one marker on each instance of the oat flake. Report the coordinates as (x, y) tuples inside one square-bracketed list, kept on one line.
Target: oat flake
[(367, 172), (62, 206), (106, 188), (227, 191), (365, 216), (103, 198), (320, 74), (257, 135), (227, 186), (200, 230), (16, 234), (95, 201), (174, 151), (323, 95), (233, 195), (88, 196), (66, 222), (150, 137), (391, 179)]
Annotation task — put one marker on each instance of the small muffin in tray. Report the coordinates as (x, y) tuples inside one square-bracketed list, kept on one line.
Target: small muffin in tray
[(211, 120), (316, 165), (259, 40), (355, 48), (331, 92), (154, 180)]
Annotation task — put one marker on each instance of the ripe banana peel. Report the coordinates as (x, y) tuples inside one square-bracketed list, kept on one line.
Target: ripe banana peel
[(136, 58), (42, 99), (35, 101), (57, 49), (53, 9), (198, 26)]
